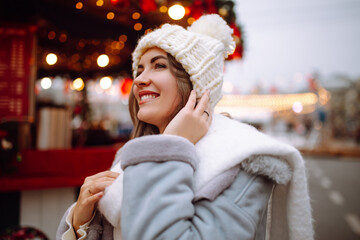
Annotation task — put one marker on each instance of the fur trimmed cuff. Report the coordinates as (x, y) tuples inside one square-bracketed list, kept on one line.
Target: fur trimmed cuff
[(158, 148)]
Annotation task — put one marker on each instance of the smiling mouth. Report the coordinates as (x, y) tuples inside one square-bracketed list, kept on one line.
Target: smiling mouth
[(147, 96)]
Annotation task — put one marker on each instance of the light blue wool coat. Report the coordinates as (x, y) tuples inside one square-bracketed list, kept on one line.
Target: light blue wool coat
[(172, 189)]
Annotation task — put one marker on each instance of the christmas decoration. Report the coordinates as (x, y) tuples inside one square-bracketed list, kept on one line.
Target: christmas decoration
[(120, 3), (125, 86), (238, 53), (91, 33), (148, 6), (197, 9), (194, 9)]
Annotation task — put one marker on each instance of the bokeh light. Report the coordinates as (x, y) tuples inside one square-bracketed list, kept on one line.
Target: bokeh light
[(105, 83), (45, 83), (137, 26), (123, 38), (78, 84), (163, 9), (79, 5), (297, 107), (103, 60), (99, 3), (110, 15), (176, 12), (51, 58), (190, 20), (135, 15)]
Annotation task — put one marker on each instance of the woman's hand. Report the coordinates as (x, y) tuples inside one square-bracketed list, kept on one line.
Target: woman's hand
[(193, 121), (90, 193)]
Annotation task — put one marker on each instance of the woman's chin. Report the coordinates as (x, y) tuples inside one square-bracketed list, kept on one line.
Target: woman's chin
[(146, 116)]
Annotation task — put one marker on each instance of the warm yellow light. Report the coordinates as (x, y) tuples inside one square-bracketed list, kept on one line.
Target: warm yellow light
[(163, 9), (99, 3), (117, 45), (79, 5), (190, 20), (137, 26), (135, 15), (121, 45), (51, 58), (176, 12), (304, 102), (105, 83), (78, 84), (45, 83), (223, 12), (103, 60), (324, 96), (147, 31), (123, 38), (110, 15)]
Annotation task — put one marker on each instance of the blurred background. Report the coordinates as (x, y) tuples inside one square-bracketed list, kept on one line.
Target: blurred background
[(65, 76)]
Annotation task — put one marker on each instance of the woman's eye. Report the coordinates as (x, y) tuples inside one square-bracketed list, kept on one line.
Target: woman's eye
[(159, 65)]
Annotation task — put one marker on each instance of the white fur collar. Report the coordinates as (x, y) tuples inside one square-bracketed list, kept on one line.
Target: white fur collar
[(230, 142)]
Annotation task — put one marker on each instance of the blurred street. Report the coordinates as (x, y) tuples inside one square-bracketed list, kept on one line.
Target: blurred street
[(334, 184)]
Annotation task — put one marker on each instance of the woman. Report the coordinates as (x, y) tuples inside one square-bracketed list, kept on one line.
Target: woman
[(188, 174)]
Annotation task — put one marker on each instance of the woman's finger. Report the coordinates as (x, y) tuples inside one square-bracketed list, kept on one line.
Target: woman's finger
[(109, 174), (93, 199), (190, 104), (203, 103), (84, 209), (99, 187)]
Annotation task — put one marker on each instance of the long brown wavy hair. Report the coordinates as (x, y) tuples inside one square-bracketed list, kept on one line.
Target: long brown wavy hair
[(184, 88)]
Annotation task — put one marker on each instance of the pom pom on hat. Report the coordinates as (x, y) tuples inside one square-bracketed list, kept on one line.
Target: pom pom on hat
[(214, 26), (201, 50)]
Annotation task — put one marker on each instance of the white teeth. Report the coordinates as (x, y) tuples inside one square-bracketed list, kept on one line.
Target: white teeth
[(147, 97)]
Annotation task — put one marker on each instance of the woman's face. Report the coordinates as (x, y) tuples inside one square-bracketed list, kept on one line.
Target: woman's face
[(155, 89)]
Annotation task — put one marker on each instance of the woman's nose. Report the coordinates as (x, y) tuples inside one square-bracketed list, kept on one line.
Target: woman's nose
[(142, 80)]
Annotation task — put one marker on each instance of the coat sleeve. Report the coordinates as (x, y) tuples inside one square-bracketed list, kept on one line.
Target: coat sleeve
[(158, 196), (91, 230), (63, 226)]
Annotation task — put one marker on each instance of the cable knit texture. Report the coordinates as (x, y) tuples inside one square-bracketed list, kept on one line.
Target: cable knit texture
[(201, 50)]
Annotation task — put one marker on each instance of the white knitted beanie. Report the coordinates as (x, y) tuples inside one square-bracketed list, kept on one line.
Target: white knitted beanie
[(201, 49)]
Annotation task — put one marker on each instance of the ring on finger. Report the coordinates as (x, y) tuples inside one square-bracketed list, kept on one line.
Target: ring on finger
[(207, 113)]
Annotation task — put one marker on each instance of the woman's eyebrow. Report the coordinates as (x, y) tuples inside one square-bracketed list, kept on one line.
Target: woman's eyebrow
[(157, 57)]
